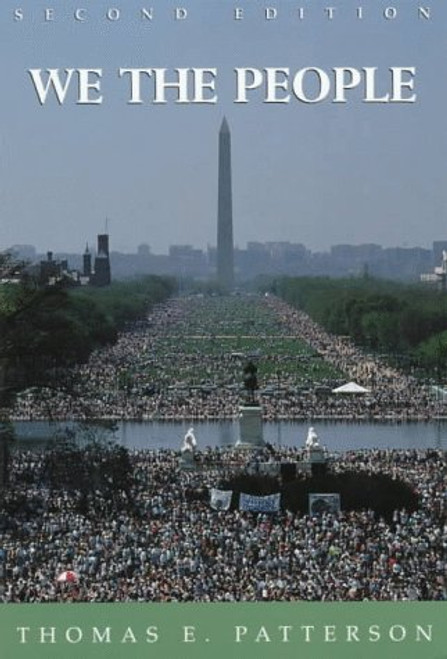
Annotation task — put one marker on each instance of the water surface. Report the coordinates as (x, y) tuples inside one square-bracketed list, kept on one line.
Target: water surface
[(335, 435)]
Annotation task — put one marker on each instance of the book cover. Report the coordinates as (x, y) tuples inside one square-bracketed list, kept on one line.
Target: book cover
[(110, 121)]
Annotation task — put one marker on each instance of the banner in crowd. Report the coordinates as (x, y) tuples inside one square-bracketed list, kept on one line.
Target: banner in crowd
[(324, 503), (257, 504), (220, 499)]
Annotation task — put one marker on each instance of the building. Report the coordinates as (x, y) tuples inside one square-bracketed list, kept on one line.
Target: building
[(101, 275), (87, 263), (53, 271)]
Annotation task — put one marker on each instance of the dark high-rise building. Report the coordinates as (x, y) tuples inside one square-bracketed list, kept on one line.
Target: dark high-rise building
[(102, 262), (225, 256), (103, 244), (87, 263)]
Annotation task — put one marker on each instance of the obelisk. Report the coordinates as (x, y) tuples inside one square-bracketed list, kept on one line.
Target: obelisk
[(225, 258)]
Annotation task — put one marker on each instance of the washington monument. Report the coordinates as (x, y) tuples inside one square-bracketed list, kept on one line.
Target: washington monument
[(225, 259)]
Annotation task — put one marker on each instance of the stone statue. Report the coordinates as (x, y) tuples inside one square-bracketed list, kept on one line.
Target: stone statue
[(189, 442), (250, 381), (312, 439)]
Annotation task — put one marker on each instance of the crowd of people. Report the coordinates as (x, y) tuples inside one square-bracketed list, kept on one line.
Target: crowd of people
[(391, 395), (171, 545), (186, 362)]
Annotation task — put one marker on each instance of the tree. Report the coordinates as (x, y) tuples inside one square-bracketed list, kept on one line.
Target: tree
[(95, 470), (432, 354)]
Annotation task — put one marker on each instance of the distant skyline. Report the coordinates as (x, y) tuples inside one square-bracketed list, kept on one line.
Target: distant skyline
[(318, 174), (277, 259), (78, 250)]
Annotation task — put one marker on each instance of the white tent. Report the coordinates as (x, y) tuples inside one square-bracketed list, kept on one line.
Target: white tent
[(350, 388)]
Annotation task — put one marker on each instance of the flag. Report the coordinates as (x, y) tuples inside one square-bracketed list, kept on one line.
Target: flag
[(324, 503), (221, 499), (256, 504)]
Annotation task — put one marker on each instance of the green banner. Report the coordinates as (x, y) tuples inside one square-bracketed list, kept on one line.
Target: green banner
[(217, 631)]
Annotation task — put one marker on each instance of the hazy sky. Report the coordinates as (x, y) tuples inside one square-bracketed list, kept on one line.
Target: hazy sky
[(316, 173)]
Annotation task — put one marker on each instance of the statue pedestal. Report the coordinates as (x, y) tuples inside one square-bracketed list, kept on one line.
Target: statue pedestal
[(187, 460), (316, 455), (317, 459), (250, 427)]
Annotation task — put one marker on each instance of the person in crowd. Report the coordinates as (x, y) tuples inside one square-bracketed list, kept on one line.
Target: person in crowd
[(171, 545), (177, 366)]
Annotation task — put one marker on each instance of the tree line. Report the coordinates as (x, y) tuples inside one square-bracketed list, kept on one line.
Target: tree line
[(45, 330), (407, 323)]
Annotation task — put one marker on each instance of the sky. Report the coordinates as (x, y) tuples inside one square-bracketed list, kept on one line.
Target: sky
[(314, 173)]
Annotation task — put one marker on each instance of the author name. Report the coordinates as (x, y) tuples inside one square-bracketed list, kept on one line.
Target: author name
[(238, 634)]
